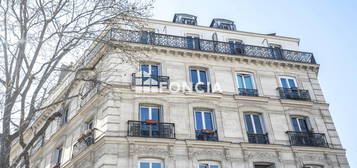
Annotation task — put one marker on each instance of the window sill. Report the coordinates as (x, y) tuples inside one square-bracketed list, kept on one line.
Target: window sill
[(251, 98)]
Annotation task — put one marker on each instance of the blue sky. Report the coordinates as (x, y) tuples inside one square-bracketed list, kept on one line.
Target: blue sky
[(328, 28)]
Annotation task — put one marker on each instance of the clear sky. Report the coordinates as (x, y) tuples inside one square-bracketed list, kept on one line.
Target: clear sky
[(328, 28)]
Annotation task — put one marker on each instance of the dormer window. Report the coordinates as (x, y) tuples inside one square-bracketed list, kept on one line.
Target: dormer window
[(223, 24), (185, 19)]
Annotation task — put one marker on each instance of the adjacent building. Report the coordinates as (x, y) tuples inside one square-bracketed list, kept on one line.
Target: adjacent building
[(192, 96)]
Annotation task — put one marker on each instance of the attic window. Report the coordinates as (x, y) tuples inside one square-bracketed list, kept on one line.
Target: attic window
[(223, 24), (185, 19)]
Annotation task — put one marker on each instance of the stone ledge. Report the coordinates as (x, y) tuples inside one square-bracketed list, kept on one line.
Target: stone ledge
[(296, 102), (251, 98)]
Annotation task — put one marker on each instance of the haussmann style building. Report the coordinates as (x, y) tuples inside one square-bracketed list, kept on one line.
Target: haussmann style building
[(199, 97)]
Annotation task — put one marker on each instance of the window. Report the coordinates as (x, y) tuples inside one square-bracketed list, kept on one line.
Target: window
[(276, 51), (254, 123), (246, 86), (209, 164), (312, 166), (64, 118), (147, 36), (57, 156), (200, 80), (204, 120), (300, 124), (193, 42), (150, 163), (149, 74), (89, 125), (236, 47), (148, 112), (288, 82), (264, 165)]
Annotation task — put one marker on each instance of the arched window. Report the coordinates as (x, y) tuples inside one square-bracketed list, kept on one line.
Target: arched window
[(150, 163), (209, 164)]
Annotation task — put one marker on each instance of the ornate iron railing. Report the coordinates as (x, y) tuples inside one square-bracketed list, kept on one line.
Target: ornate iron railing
[(152, 80), (211, 46), (258, 138), (207, 135), (151, 128), (294, 93), (307, 139), (247, 92), (84, 141)]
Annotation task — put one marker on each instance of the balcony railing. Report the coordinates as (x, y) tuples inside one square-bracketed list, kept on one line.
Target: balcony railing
[(294, 93), (207, 135), (211, 46), (151, 128), (84, 141), (258, 138), (151, 80), (307, 139), (247, 92), (202, 87)]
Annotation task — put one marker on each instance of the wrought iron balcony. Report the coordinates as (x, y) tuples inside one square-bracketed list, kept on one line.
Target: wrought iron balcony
[(211, 46), (247, 92), (258, 138), (307, 139), (203, 87), (151, 80), (294, 93), (84, 141), (151, 128), (207, 135)]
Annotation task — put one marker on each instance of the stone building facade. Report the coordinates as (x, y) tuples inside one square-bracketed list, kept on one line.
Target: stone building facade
[(198, 97)]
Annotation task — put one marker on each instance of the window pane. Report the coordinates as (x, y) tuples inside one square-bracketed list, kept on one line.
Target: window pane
[(249, 123), (208, 121), (194, 78), (203, 77), (258, 125), (198, 121), (156, 165), (303, 125), (214, 166), (144, 113), (189, 42), (155, 112), (295, 124), (248, 82), (240, 81), (284, 84), (145, 68), (154, 70), (144, 165), (203, 166), (292, 83)]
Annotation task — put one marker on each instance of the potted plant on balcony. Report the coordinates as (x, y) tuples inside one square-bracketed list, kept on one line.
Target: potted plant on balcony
[(207, 131), (57, 165), (151, 122), (86, 134)]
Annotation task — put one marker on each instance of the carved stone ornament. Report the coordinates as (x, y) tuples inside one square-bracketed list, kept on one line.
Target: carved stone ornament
[(207, 153), (155, 150), (262, 156)]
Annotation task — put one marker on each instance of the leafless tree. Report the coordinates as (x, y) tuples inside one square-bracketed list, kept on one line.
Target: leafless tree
[(36, 36)]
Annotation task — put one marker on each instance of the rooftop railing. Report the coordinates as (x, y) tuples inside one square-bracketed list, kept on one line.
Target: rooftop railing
[(211, 46)]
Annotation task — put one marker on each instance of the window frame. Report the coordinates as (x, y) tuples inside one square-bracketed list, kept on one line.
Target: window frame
[(151, 161), (307, 121), (203, 111), (150, 64), (209, 164), (198, 69), (261, 120), (251, 76), (58, 152), (150, 107), (287, 79)]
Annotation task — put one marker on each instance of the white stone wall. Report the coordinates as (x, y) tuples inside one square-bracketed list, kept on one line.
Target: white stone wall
[(117, 102)]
